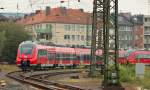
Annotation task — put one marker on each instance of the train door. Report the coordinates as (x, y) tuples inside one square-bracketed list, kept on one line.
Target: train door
[(52, 59), (42, 57), (86, 59)]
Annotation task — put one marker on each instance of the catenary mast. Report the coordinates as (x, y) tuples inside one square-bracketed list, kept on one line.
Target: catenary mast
[(105, 37)]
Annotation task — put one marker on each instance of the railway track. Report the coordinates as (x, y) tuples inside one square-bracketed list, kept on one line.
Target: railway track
[(39, 80)]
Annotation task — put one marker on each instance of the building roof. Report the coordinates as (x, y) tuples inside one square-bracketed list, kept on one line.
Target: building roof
[(125, 19), (57, 15)]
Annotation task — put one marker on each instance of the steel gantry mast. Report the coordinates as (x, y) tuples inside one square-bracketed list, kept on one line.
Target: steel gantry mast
[(105, 37)]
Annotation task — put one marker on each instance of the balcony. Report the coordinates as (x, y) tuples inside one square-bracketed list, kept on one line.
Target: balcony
[(146, 23), (146, 33), (43, 31)]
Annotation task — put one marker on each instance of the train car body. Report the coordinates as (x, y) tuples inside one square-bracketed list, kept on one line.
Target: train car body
[(122, 57), (139, 57), (31, 54), (34, 55)]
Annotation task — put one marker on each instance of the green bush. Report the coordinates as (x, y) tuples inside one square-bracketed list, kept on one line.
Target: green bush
[(127, 73)]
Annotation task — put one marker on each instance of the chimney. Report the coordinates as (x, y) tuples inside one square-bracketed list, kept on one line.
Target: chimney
[(38, 11), (63, 11), (81, 10), (32, 14), (25, 16), (48, 11)]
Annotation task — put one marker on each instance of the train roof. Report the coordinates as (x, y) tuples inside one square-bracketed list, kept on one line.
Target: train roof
[(141, 52), (28, 42)]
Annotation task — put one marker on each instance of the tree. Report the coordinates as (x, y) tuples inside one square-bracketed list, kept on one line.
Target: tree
[(2, 40), (11, 35)]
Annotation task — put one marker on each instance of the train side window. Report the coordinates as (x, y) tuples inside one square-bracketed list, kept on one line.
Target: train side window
[(57, 56), (68, 57), (81, 57), (51, 56), (42, 52), (88, 57), (61, 56), (72, 57), (78, 57), (85, 57)]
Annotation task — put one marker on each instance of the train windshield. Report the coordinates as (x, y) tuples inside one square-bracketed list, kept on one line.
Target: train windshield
[(26, 49)]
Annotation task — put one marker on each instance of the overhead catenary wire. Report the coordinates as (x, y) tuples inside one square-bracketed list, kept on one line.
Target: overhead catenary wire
[(29, 6)]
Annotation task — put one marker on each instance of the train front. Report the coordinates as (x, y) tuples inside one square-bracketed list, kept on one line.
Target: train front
[(26, 55)]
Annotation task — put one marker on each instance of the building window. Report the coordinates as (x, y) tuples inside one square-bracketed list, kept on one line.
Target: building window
[(78, 37), (67, 27), (40, 26), (78, 27), (73, 37), (66, 36), (37, 26), (72, 27), (47, 26), (34, 26), (145, 19), (90, 27), (82, 37), (89, 38), (82, 27)]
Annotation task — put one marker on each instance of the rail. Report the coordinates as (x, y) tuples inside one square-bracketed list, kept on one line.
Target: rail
[(39, 80)]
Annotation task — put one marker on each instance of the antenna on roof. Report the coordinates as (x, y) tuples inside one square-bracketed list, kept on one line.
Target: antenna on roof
[(17, 10), (31, 4)]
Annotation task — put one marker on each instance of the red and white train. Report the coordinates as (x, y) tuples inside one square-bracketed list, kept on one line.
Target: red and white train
[(31, 54), (35, 55)]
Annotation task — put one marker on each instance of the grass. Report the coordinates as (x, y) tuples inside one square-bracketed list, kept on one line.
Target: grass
[(127, 76), (127, 73), (8, 68), (144, 82)]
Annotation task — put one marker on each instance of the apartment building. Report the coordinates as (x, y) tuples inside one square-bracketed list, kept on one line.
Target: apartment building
[(138, 32), (60, 26), (125, 31), (147, 31)]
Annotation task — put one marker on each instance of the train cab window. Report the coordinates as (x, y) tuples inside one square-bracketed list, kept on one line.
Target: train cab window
[(42, 52), (26, 49)]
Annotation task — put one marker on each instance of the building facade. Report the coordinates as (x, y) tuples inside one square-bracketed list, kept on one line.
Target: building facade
[(125, 32), (138, 32), (147, 31), (60, 26)]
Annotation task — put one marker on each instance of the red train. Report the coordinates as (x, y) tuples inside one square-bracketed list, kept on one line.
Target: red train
[(31, 54), (139, 57), (134, 56)]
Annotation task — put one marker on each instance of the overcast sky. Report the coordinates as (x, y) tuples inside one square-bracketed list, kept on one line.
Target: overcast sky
[(27, 6)]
